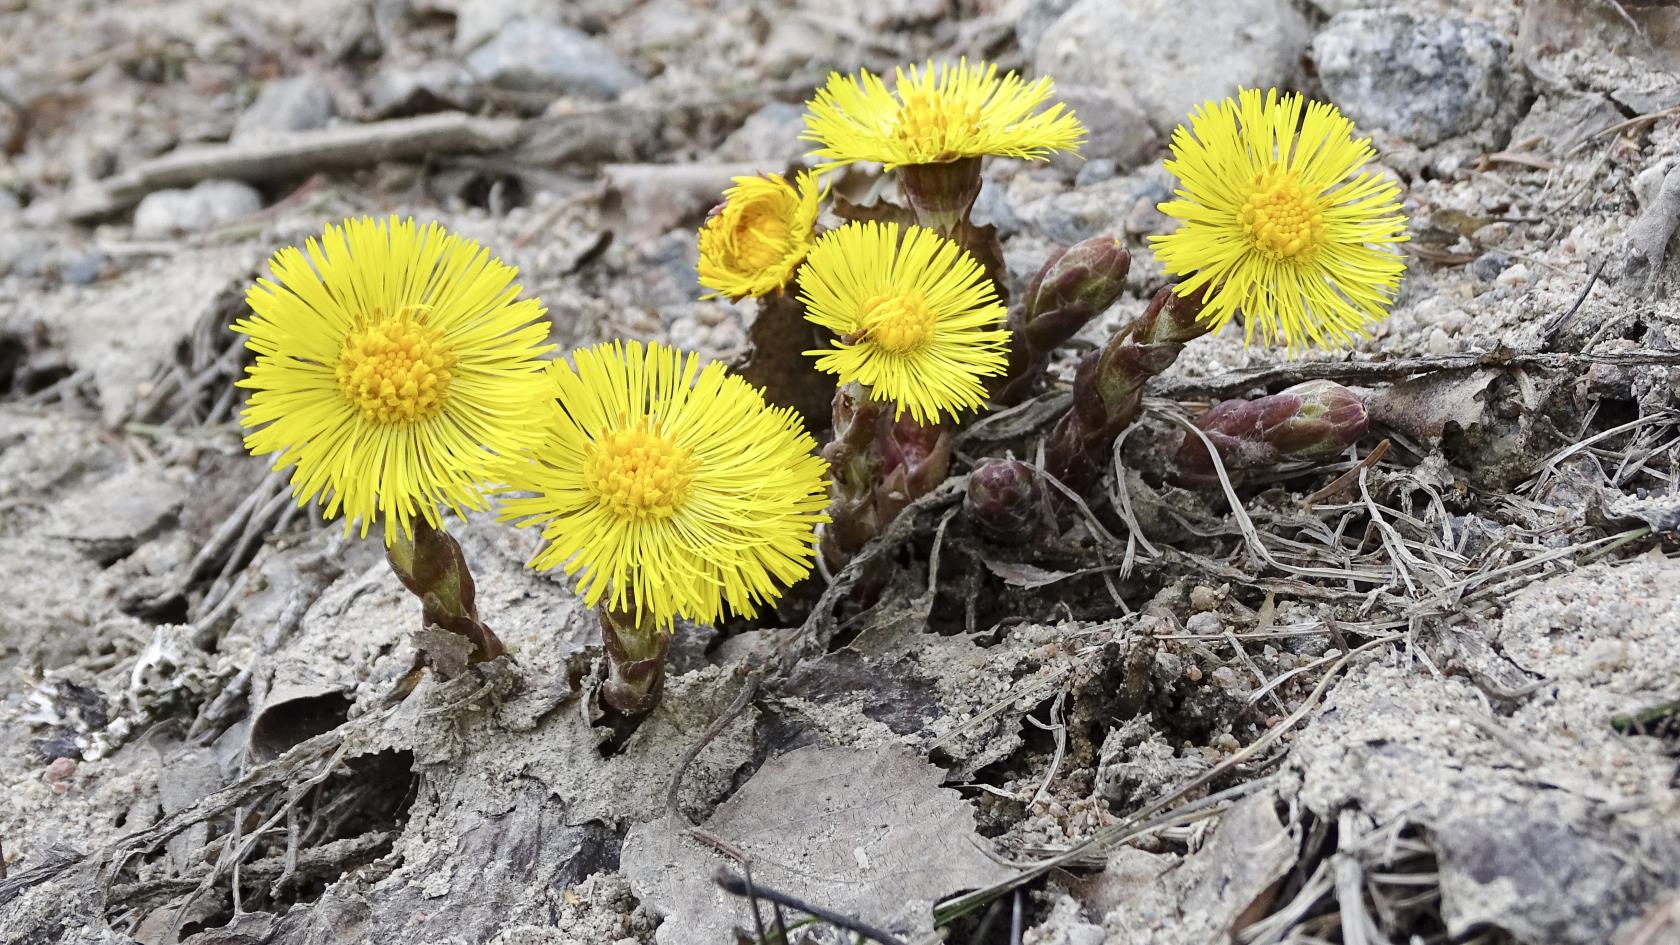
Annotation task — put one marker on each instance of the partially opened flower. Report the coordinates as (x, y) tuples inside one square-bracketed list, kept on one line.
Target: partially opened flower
[(669, 488), (1279, 221), (395, 366), (752, 243), (919, 324), (933, 116)]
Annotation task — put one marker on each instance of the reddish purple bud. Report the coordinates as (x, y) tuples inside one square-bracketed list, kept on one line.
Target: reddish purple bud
[(1002, 500), (1074, 286), (1310, 422)]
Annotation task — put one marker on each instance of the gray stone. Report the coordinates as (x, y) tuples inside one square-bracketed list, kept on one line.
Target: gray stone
[(1172, 55), (1035, 18), (1119, 131), (1423, 78), (298, 103), (84, 268), (1490, 264), (1559, 121), (478, 20), (770, 135), (396, 91), (206, 204), (992, 208), (1119, 205), (533, 56)]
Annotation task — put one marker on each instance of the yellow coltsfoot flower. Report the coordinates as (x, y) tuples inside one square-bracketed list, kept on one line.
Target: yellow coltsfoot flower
[(1278, 221), (934, 116), (919, 322), (395, 365), (752, 243), (669, 489)]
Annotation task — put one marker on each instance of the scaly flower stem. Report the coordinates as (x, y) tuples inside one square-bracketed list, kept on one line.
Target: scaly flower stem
[(1312, 422), (941, 196), (1074, 286), (431, 566), (635, 664), (1108, 387), (854, 471)]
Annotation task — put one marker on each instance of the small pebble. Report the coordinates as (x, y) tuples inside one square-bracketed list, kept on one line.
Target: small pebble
[(1513, 277), (60, 770), (1203, 598)]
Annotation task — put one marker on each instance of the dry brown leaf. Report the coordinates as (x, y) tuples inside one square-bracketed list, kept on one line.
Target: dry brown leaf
[(1422, 407), (867, 833)]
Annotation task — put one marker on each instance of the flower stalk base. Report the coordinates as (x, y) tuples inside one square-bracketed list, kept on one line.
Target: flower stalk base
[(430, 564), (941, 196), (635, 666)]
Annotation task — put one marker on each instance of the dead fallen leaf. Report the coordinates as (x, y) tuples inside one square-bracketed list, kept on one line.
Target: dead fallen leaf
[(1422, 407), (868, 833)]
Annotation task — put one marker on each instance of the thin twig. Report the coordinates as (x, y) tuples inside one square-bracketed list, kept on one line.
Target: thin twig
[(748, 687), (737, 886), (1233, 383)]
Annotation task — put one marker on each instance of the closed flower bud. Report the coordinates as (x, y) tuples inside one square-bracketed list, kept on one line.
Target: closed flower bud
[(1002, 500), (1310, 422), (1074, 286)]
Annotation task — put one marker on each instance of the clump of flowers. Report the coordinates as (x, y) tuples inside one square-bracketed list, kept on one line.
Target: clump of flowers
[(1279, 220), (395, 366), (667, 489), (399, 374)]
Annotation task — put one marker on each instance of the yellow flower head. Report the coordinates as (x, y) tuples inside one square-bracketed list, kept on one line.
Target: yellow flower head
[(1278, 220), (753, 242), (394, 366), (918, 319), (669, 488), (932, 117)]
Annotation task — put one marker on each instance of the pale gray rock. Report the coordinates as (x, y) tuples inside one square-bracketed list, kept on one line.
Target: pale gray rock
[(296, 103), (865, 832), (206, 204), (533, 56), (476, 21), (1423, 78), (1035, 17), (1118, 130), (769, 135), (1172, 55), (397, 91), (1559, 121)]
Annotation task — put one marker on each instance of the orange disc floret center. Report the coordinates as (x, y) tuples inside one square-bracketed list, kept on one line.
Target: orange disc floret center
[(1284, 220), (762, 233), (638, 474), (396, 370), (928, 123), (897, 323)]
